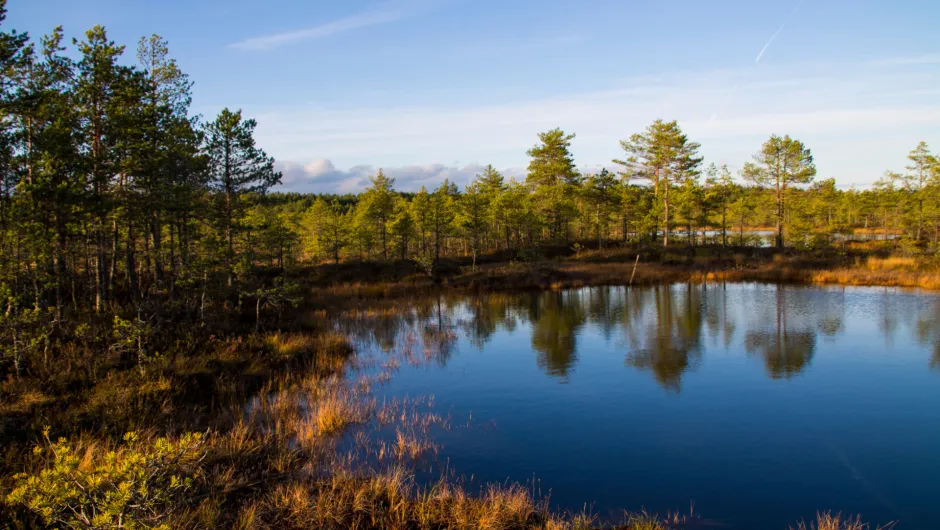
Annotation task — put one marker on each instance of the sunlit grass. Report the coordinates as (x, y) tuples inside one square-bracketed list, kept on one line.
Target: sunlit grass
[(333, 412), (890, 263), (837, 521)]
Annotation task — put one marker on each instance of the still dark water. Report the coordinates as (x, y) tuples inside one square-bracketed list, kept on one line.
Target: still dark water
[(760, 404)]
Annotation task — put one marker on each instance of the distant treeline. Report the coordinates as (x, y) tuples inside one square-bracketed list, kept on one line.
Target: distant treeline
[(111, 190), (663, 192)]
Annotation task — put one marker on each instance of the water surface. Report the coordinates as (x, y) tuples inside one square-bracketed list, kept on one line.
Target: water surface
[(760, 404)]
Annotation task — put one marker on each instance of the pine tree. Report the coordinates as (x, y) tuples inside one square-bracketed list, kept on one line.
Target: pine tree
[(920, 174), (781, 163), (334, 231), (236, 167), (664, 156), (492, 186), (690, 199), (378, 203), (168, 141), (441, 215), (552, 177), (47, 171), (474, 212), (99, 81), (402, 225), (599, 191), (514, 213), (720, 192), (421, 207), (363, 230)]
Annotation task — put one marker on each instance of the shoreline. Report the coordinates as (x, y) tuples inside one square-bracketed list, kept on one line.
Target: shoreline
[(337, 284)]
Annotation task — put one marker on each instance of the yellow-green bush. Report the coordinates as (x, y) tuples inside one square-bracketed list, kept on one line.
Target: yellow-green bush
[(135, 486)]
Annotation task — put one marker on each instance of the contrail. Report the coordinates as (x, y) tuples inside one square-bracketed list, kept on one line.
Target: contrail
[(774, 36), (734, 89)]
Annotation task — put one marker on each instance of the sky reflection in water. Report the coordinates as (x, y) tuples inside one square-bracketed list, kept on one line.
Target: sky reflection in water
[(759, 403)]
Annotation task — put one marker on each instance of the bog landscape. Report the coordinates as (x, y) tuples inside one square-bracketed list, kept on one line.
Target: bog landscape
[(663, 343)]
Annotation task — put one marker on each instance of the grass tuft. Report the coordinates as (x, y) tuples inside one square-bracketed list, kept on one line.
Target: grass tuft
[(837, 521)]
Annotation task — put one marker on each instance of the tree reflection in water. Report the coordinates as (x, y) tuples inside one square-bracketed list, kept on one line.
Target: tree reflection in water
[(556, 318), (662, 329), (786, 344), (671, 344), (437, 334), (928, 334)]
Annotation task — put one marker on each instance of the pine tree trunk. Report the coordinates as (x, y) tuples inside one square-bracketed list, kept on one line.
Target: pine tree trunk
[(623, 227), (724, 227), (129, 261), (384, 241), (229, 191), (228, 236), (156, 231), (666, 215), (115, 244), (172, 278), (59, 266), (920, 217), (779, 236), (100, 265)]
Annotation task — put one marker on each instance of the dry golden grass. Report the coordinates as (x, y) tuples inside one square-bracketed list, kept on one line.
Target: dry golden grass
[(25, 401), (327, 350), (644, 521), (837, 521), (890, 263), (290, 344), (333, 413), (880, 277), (864, 264), (411, 446)]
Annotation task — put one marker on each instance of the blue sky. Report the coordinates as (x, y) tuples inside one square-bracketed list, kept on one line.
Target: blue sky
[(429, 89)]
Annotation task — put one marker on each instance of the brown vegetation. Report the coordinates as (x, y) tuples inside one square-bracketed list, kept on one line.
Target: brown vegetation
[(864, 264)]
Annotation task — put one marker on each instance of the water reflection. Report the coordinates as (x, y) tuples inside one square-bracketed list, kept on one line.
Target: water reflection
[(663, 330), (928, 334), (720, 325), (555, 319), (671, 341), (811, 386), (788, 343)]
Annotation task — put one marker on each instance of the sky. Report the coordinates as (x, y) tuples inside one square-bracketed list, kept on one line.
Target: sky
[(435, 89)]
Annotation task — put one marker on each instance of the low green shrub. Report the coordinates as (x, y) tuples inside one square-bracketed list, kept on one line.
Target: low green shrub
[(135, 486)]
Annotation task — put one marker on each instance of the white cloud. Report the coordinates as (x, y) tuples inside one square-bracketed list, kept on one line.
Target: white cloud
[(321, 176), (816, 122), (907, 61), (387, 12), (831, 105)]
